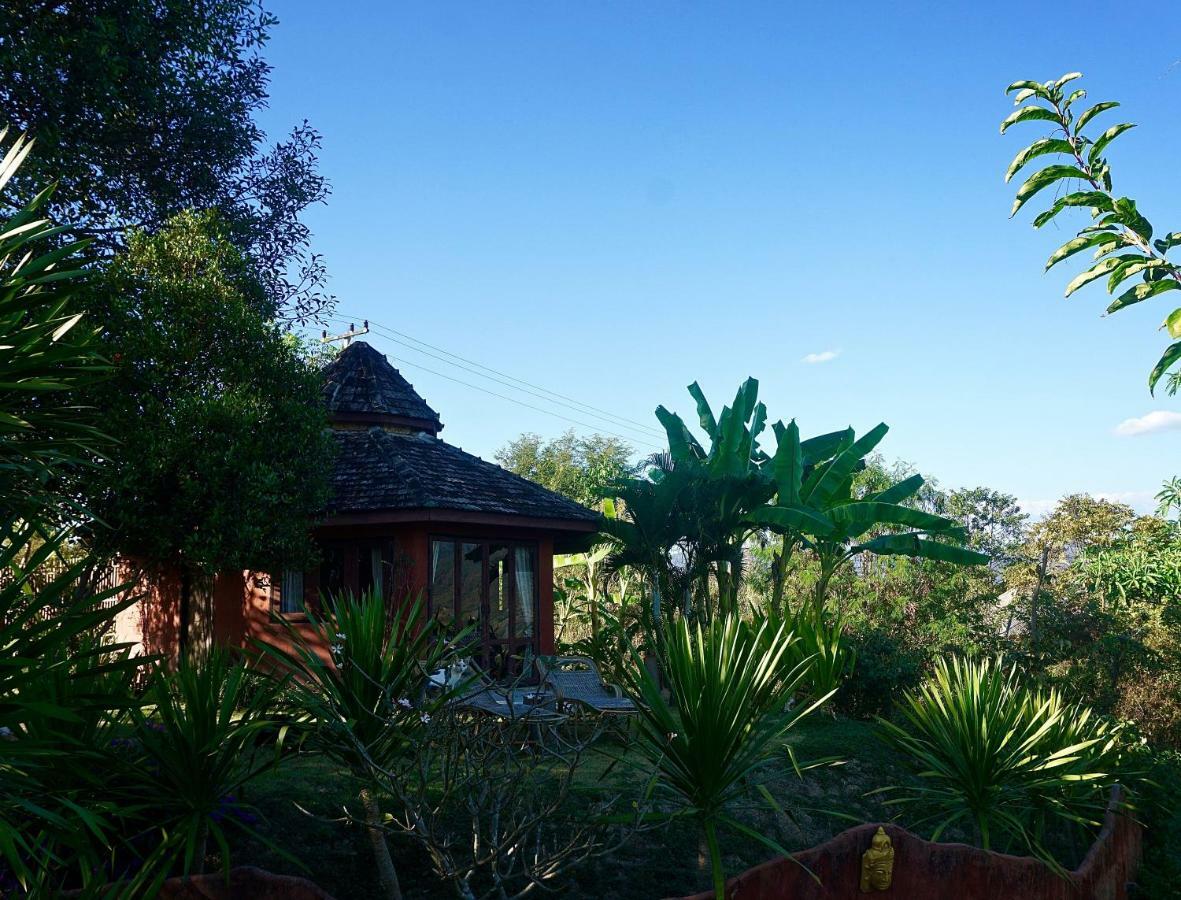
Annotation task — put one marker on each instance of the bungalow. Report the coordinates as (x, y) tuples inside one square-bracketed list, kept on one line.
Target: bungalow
[(410, 515)]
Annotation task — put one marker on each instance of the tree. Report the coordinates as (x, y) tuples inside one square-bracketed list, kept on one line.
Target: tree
[(815, 507), (577, 467), (993, 520), (1120, 237), (223, 448), (144, 108)]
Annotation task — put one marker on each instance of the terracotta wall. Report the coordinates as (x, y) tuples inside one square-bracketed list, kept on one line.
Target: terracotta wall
[(945, 871), (241, 601)]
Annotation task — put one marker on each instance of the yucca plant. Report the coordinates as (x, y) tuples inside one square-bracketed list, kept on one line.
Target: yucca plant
[(366, 704), (208, 729), (823, 648), (730, 686), (1005, 761)]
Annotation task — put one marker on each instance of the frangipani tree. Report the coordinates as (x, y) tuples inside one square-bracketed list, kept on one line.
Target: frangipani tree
[(815, 507)]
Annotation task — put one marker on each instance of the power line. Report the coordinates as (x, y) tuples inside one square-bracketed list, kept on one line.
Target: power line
[(645, 433), (521, 402), (546, 393)]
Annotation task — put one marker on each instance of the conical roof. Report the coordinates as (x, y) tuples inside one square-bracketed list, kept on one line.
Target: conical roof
[(360, 386)]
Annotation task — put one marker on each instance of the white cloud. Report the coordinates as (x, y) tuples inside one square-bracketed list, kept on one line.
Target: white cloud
[(1157, 420), (1143, 502), (1036, 508), (826, 356)]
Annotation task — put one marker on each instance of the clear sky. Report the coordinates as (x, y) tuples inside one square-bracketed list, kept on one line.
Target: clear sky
[(612, 199)]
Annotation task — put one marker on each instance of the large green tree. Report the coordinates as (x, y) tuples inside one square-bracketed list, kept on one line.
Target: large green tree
[(580, 468), (144, 108), (223, 447)]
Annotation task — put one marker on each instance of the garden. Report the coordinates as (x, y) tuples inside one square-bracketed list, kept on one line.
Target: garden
[(774, 635)]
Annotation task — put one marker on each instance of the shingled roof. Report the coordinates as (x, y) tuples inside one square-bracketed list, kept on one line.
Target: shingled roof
[(360, 385), (377, 470), (399, 466)]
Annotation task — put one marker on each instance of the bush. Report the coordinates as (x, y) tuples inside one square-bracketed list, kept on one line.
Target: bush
[(1017, 765), (1153, 701), (886, 668)]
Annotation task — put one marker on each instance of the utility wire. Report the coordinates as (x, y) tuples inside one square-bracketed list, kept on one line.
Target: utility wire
[(539, 409), (545, 393), (646, 434)]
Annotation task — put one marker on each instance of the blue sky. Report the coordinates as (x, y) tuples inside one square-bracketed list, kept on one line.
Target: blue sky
[(612, 199)]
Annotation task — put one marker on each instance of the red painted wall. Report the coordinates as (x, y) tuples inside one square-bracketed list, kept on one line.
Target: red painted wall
[(928, 871), (242, 606)]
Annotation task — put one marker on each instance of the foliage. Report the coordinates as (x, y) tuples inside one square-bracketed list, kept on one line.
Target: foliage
[(578, 468), (1120, 238), (1007, 760), (60, 695), (208, 730), (887, 666), (211, 406), (496, 805), (818, 510), (729, 684), (143, 109), (46, 436), (365, 707), (822, 650)]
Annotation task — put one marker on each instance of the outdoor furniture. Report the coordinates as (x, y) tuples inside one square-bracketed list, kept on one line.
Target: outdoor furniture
[(577, 683)]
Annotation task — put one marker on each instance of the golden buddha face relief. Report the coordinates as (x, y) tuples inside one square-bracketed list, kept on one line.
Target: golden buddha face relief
[(877, 863)]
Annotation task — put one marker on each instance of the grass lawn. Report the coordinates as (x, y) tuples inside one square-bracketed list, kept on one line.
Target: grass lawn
[(659, 863)]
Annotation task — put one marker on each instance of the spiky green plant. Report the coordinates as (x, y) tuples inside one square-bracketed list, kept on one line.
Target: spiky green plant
[(1004, 760), (365, 703), (730, 689)]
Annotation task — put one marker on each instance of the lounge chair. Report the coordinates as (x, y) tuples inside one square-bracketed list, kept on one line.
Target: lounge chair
[(576, 682)]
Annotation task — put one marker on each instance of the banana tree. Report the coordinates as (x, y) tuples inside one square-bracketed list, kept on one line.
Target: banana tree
[(723, 484), (816, 509), (587, 567)]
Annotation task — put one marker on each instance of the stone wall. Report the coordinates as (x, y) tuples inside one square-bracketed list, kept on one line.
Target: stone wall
[(930, 871)]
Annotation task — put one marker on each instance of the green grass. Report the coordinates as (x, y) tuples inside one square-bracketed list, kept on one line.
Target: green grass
[(660, 863)]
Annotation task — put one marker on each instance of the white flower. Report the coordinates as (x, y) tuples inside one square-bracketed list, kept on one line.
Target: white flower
[(404, 703), (426, 719)]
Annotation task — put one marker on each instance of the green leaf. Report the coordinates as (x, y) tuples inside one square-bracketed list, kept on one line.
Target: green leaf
[(1029, 114), (1168, 242), (798, 518), (788, 462), (1106, 138), (1042, 179), (1068, 77), (913, 545), (1074, 245), (1092, 112), (1173, 323), (704, 414), (1127, 214), (1098, 270), (1093, 199), (1168, 358), (1040, 147), (903, 490), (1130, 267), (1142, 292), (824, 446), (1036, 86)]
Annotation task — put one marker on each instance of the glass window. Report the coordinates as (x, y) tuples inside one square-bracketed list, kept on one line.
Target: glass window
[(331, 575), (498, 587), (290, 592), (471, 576), (442, 591)]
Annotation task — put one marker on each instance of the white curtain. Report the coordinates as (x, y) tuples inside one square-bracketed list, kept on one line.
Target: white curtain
[(525, 581)]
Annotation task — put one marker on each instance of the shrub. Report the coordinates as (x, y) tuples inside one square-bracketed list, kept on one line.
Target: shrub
[(1153, 701), (886, 668), (730, 684), (1005, 760)]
